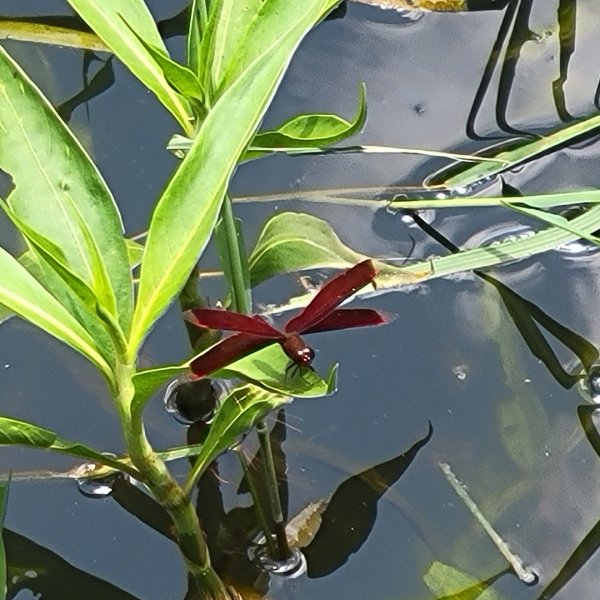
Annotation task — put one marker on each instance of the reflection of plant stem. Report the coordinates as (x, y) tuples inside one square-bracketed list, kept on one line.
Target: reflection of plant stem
[(283, 549)]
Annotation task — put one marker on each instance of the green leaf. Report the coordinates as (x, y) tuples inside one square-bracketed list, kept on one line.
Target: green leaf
[(135, 251), (15, 432), (57, 187), (147, 381), (113, 22), (180, 78), (524, 208), (187, 211), (270, 368), (24, 295), (237, 414), (309, 131), (242, 35), (467, 177), (296, 241), (448, 583)]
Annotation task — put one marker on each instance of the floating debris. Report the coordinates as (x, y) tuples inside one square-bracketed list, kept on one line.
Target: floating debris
[(418, 5), (525, 574)]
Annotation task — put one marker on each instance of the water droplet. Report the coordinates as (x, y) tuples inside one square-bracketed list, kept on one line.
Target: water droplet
[(292, 567), (98, 487)]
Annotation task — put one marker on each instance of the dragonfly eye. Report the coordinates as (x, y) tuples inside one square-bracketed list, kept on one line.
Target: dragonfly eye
[(306, 356)]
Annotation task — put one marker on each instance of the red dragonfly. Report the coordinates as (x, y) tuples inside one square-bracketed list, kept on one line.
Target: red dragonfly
[(255, 332)]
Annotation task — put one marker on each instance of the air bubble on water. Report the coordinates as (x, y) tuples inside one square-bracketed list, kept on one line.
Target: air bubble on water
[(291, 567), (577, 247), (460, 372), (589, 385), (191, 401)]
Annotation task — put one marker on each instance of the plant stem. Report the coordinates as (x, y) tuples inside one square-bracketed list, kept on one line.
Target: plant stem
[(240, 292), (283, 548), (167, 492)]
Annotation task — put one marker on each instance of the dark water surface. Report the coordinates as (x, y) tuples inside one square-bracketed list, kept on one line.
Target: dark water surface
[(453, 356)]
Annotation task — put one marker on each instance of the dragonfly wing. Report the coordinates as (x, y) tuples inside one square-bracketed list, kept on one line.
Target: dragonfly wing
[(346, 318), (331, 295), (226, 351), (226, 320)]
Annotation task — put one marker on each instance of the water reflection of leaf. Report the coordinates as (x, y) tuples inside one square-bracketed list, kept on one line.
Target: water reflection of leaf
[(443, 580), (527, 316), (352, 510), (55, 578), (92, 86)]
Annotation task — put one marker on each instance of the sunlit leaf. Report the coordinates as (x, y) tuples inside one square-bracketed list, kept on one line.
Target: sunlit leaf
[(296, 241), (236, 415), (243, 35), (57, 188), (113, 22), (461, 176), (187, 212), (135, 251), (271, 369), (179, 77), (24, 295), (14, 432), (549, 218), (310, 130)]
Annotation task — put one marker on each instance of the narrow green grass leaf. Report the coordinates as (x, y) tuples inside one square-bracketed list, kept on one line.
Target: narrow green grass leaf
[(108, 20), (188, 209), (476, 258), (237, 414), (536, 201), (14, 432), (49, 170), (25, 296), (459, 176), (549, 218)]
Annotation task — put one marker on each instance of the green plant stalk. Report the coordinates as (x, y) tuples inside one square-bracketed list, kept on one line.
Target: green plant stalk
[(242, 303), (283, 548), (167, 492), (260, 513), (239, 294)]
